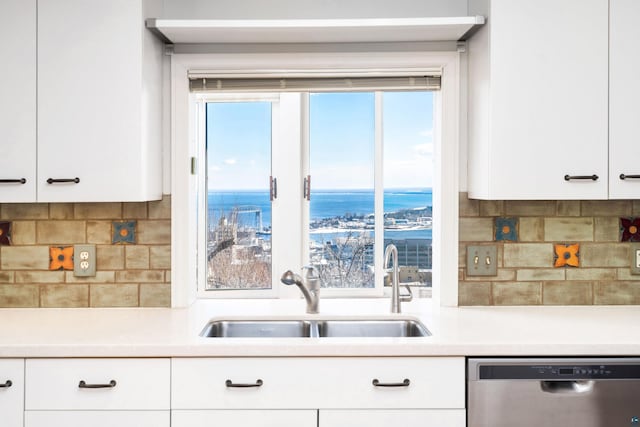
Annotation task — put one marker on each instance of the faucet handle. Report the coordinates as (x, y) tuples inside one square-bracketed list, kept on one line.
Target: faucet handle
[(309, 270), (407, 298), (311, 277)]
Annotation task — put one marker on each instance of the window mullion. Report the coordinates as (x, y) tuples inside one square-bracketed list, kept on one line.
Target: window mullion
[(378, 247), (287, 221), (305, 170)]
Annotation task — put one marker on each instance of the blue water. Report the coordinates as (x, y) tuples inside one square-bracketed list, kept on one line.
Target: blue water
[(325, 204)]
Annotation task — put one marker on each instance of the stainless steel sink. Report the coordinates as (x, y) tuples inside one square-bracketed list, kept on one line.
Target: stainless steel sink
[(315, 328), (257, 329), (372, 328)]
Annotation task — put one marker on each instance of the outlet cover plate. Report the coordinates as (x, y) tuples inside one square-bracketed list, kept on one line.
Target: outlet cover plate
[(635, 258), (84, 260), (482, 260)]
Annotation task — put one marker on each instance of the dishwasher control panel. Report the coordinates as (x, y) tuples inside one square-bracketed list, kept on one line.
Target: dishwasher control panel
[(559, 372)]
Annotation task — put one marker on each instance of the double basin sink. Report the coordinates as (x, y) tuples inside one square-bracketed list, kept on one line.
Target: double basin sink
[(315, 328)]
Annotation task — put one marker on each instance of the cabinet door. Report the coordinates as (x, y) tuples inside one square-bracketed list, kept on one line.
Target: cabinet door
[(11, 392), (624, 100), (254, 418), (90, 101), (549, 91), (18, 101), (97, 418), (392, 417)]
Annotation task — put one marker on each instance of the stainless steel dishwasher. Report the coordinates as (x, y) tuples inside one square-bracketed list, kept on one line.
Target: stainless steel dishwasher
[(558, 392)]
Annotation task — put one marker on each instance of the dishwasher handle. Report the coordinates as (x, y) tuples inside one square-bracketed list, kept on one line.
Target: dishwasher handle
[(567, 387)]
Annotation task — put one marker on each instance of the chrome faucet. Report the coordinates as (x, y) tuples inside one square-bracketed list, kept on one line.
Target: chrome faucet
[(309, 286), (392, 252)]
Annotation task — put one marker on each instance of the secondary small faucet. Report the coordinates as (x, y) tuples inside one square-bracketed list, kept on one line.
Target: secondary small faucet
[(392, 252), (309, 286)]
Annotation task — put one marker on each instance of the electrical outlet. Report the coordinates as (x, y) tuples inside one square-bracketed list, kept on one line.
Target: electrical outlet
[(84, 260), (635, 258), (482, 260)]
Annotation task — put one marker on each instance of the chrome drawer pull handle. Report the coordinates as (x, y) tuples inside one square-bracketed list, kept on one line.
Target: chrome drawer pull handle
[(623, 176), (13, 181), (83, 384), (591, 177), (7, 384), (230, 383), (377, 383), (64, 180)]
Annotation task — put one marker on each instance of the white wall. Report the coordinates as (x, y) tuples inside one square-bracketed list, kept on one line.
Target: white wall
[(282, 9)]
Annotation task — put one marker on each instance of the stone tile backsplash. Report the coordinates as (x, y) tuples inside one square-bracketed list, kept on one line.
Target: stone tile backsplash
[(138, 274), (134, 274), (526, 273)]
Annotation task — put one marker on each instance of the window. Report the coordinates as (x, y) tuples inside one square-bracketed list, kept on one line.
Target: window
[(238, 228), (366, 158), (186, 181)]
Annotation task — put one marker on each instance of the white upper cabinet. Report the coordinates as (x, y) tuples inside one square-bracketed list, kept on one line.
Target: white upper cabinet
[(99, 101), (538, 100), (18, 101), (624, 100)]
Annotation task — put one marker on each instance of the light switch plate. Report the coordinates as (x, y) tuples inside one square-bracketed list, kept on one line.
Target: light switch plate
[(84, 260), (482, 260), (635, 258)]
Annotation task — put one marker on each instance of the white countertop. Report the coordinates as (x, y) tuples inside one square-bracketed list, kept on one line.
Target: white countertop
[(466, 331)]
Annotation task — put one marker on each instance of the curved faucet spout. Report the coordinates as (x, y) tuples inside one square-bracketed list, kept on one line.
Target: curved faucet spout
[(309, 286), (391, 253)]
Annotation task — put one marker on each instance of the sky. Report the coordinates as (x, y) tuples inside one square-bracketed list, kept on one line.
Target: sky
[(342, 132)]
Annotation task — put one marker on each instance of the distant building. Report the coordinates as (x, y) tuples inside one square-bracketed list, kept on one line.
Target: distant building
[(225, 231), (413, 252)]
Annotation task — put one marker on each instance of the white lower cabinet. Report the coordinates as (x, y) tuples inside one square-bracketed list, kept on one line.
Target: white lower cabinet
[(11, 392), (97, 418), (253, 418), (337, 391), (97, 392), (392, 417)]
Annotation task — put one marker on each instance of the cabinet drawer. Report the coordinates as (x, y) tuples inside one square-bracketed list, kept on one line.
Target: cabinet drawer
[(11, 392), (393, 417), (240, 417), (94, 384), (202, 383), (292, 383), (97, 418), (402, 382)]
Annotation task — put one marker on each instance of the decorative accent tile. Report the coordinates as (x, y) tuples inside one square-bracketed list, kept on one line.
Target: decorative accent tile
[(61, 258), (567, 255), (630, 229), (124, 232), (5, 233), (506, 229)]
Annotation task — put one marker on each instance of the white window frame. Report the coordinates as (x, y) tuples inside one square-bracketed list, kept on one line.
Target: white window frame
[(185, 135), (202, 100)]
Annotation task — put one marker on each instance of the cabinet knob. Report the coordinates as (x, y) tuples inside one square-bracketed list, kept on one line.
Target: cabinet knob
[(623, 176), (63, 180), (13, 181), (83, 384), (6, 384), (593, 177)]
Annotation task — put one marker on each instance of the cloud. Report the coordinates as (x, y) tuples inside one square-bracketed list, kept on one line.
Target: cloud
[(230, 161), (423, 149), (215, 169), (426, 133)]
